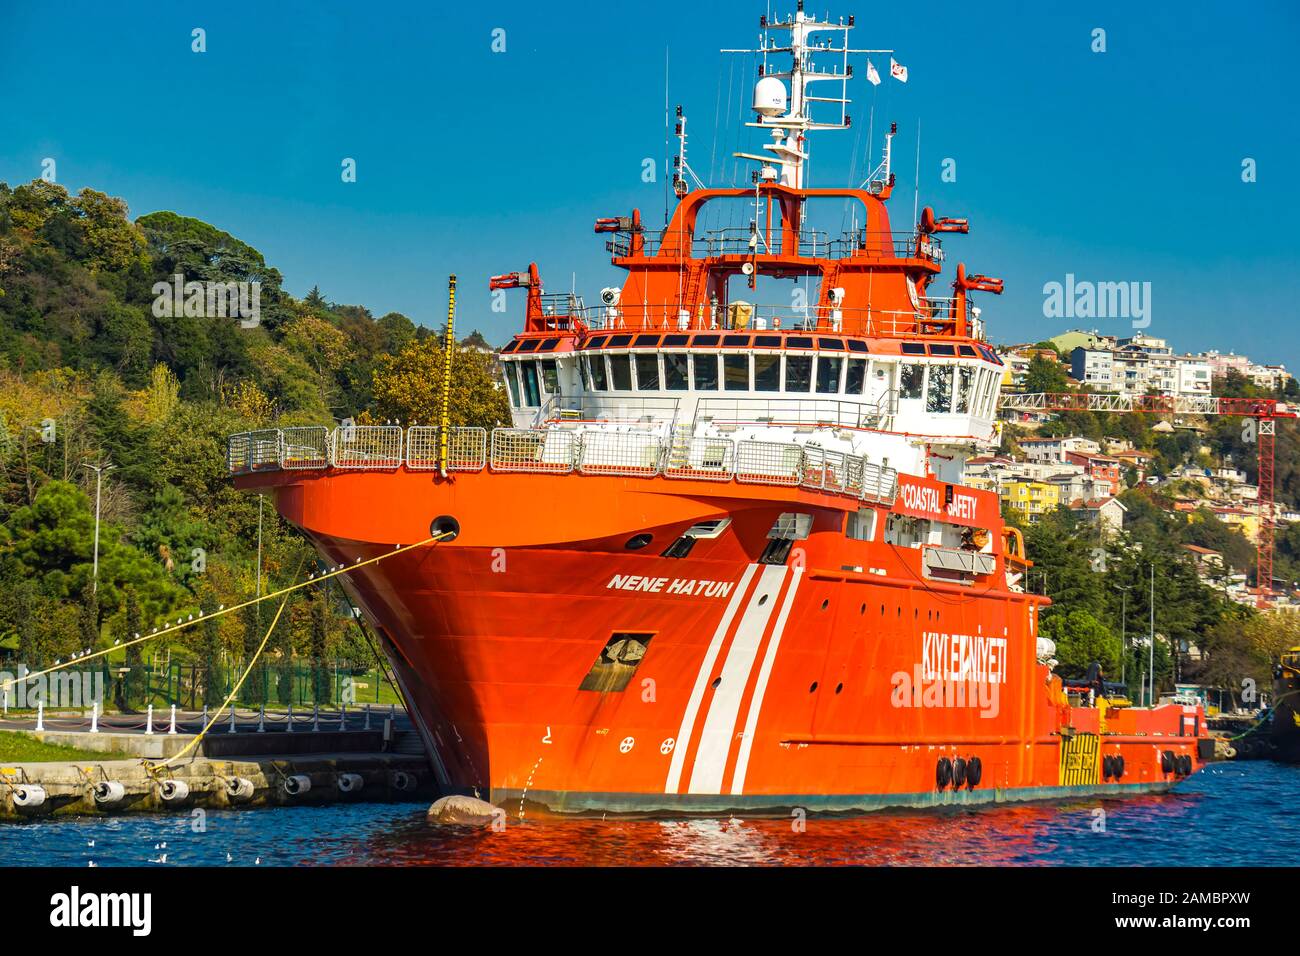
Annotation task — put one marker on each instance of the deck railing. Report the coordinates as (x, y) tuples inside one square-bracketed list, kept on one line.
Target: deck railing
[(635, 454)]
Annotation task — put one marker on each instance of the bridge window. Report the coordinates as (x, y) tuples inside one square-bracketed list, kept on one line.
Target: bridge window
[(620, 370), (705, 372), (550, 377), (798, 373), (938, 393), (647, 372), (512, 384), (965, 383), (528, 374), (735, 373), (599, 379), (675, 371), (856, 376), (767, 373), (911, 381), (828, 374)]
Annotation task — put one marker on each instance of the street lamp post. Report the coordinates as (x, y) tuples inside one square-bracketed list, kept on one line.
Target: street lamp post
[(1123, 627), (99, 471), (1151, 659)]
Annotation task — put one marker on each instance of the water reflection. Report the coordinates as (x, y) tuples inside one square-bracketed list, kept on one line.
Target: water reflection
[(1232, 814)]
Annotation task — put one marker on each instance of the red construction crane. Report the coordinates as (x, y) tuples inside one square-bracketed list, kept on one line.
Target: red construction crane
[(1265, 412)]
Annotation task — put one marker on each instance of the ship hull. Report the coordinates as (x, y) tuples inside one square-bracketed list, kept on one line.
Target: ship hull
[(839, 679)]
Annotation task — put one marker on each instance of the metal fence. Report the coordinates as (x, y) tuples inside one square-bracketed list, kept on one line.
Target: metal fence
[(561, 450), (466, 448), (635, 454)]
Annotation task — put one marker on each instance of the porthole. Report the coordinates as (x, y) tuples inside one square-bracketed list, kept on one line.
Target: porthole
[(813, 688), (826, 603), (839, 687), (762, 600), (716, 682), (863, 609), (638, 541), (444, 525)]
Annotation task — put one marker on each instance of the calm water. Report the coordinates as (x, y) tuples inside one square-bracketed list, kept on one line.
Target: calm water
[(1230, 814)]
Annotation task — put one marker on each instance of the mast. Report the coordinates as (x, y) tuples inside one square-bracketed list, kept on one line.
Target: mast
[(783, 99)]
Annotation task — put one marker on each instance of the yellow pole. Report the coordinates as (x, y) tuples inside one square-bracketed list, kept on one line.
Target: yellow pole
[(448, 345)]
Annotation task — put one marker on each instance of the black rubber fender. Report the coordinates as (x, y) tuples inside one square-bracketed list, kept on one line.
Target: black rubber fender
[(943, 773), (958, 773), (1107, 767), (974, 770), (1166, 761), (1119, 766)]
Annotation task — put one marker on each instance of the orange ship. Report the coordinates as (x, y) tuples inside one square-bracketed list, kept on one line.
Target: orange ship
[(723, 558)]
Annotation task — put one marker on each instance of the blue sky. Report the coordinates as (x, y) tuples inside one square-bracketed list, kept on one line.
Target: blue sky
[(1115, 166)]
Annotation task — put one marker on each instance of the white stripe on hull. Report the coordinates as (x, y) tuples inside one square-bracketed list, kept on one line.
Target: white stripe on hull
[(760, 688), (720, 724), (701, 681)]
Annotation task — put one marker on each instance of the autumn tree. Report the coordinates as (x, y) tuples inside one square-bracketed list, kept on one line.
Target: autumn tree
[(408, 387)]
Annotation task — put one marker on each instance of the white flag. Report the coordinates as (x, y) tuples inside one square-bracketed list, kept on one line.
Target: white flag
[(897, 70), (872, 76)]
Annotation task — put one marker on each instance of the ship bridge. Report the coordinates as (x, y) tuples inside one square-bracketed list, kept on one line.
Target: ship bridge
[(864, 360)]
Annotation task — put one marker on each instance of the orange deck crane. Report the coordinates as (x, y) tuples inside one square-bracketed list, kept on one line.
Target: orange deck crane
[(1265, 412)]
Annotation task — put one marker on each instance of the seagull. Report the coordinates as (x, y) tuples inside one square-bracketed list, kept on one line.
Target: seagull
[(257, 862), (228, 856), (90, 843), (92, 863)]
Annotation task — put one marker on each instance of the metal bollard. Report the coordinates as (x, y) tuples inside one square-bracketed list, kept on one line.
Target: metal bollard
[(40, 715), (367, 726), (232, 717), (148, 721), (171, 729), (261, 720), (315, 719), (205, 715), (343, 716), (94, 717), (289, 720), (5, 696)]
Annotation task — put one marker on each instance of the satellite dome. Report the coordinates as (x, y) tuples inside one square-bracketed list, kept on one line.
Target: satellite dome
[(769, 97)]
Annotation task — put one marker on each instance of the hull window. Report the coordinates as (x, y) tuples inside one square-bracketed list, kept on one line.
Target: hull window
[(861, 525), (618, 661)]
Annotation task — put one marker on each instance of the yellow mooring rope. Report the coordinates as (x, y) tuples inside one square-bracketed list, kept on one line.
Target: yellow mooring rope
[(191, 621), (229, 697)]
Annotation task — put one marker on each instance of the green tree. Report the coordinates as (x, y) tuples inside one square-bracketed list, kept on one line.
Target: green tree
[(1080, 640)]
